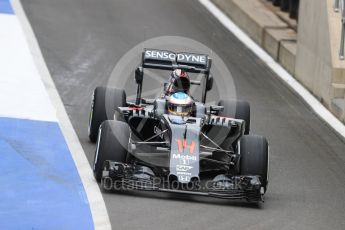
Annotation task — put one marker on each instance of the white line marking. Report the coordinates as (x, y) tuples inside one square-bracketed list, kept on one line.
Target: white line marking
[(319, 109), (22, 93), (97, 205)]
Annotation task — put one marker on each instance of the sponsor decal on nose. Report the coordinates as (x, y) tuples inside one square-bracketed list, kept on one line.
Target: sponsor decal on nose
[(183, 168), (182, 145)]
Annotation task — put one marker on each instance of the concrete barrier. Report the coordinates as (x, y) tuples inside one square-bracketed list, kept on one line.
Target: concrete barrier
[(313, 59), (317, 63), (252, 16), (273, 39), (260, 21), (287, 55)]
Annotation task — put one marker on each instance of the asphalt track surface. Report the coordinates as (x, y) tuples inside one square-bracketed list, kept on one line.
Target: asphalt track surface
[(82, 40)]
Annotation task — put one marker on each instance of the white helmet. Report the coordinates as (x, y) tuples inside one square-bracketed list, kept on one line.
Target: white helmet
[(180, 104)]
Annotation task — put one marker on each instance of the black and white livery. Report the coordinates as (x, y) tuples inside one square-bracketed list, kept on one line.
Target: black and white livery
[(175, 143)]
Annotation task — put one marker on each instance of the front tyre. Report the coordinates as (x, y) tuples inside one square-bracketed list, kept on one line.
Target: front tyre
[(103, 104), (254, 157), (112, 144)]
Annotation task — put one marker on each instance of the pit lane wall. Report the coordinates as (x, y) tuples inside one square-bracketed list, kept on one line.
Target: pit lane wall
[(311, 55), (40, 184), (318, 65)]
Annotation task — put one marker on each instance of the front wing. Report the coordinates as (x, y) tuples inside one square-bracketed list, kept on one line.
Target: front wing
[(120, 176)]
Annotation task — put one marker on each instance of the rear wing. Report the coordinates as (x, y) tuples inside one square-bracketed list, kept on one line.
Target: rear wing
[(168, 60)]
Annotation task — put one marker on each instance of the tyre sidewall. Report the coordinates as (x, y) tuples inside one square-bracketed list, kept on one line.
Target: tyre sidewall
[(103, 104), (254, 157), (112, 144)]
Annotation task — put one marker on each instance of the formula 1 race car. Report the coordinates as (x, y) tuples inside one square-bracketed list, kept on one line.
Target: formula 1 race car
[(175, 143)]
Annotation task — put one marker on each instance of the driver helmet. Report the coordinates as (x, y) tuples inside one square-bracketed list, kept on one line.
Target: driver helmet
[(180, 104), (179, 81)]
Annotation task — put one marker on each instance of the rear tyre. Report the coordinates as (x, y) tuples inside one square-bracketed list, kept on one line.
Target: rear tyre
[(103, 104), (254, 157), (238, 110), (112, 144)]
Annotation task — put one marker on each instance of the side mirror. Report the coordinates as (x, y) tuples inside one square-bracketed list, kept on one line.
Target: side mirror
[(216, 108), (209, 83), (139, 75)]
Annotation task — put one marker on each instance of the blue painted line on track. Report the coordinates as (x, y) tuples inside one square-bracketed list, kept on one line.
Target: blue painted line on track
[(39, 184), (5, 7)]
